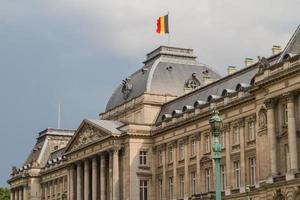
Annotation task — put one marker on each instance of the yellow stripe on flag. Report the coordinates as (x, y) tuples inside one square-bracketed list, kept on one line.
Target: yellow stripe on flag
[(162, 24)]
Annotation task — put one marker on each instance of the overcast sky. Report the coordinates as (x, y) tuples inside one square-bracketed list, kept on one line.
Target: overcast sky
[(75, 52)]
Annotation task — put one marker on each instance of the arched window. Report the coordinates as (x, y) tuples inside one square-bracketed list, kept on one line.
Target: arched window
[(191, 84)]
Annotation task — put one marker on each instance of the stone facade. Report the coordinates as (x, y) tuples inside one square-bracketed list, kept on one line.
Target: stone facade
[(156, 143)]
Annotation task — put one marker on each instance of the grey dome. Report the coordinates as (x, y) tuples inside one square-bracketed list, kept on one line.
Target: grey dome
[(165, 71)]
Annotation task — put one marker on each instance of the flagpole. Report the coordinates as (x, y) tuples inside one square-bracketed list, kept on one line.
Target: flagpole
[(169, 36)]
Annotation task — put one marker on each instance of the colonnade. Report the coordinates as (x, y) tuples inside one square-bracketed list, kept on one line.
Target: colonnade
[(292, 134), (55, 189), (95, 177), (19, 193)]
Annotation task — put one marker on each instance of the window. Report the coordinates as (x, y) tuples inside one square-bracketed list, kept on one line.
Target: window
[(222, 140), (159, 155), (171, 188), (251, 130), (236, 135), (237, 173), (285, 113), (181, 151), (143, 190), (143, 157), (207, 144), (181, 185), (223, 178), (193, 183), (170, 154), (193, 147), (160, 189), (252, 167), (207, 179)]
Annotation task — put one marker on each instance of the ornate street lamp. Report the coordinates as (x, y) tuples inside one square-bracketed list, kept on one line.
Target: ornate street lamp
[(216, 123)]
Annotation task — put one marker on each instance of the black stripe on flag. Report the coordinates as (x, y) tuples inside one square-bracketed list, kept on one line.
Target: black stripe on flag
[(166, 23)]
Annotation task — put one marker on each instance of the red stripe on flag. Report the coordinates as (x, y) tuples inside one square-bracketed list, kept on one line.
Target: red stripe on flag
[(158, 25)]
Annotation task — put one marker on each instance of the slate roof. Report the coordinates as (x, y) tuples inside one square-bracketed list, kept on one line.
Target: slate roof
[(157, 77), (230, 82), (106, 125)]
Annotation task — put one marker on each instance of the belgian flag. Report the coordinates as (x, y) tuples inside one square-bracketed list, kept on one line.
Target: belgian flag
[(162, 25)]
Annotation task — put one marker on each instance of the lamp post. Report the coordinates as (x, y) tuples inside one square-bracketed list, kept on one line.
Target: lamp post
[(215, 122)]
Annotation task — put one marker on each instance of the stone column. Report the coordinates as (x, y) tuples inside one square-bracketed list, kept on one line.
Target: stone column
[(16, 194), (102, 178), (272, 135), (86, 179), (21, 193), (175, 169), (71, 183), (94, 178), (228, 160), (241, 125), (164, 181), (79, 181), (25, 193), (12, 195), (116, 187), (45, 190), (198, 170), (154, 189), (292, 134), (186, 169)]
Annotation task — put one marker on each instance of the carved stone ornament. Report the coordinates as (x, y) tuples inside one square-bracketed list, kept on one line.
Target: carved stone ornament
[(126, 88), (278, 195), (263, 63), (262, 118), (87, 135)]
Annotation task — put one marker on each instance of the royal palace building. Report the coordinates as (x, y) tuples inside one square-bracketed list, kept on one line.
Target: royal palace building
[(154, 142)]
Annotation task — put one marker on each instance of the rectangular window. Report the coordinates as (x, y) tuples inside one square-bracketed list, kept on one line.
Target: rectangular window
[(193, 183), (143, 190), (252, 167), (285, 113), (222, 140), (193, 147), (160, 189), (181, 151), (181, 185), (236, 135), (143, 157), (207, 179), (237, 173), (159, 155), (223, 178), (251, 130), (171, 188), (207, 144), (170, 154)]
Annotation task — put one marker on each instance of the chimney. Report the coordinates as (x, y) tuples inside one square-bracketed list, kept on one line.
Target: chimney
[(276, 49), (248, 61), (207, 79), (231, 69)]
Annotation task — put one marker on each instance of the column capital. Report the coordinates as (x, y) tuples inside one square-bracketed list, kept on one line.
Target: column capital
[(226, 127), (290, 96), (197, 136), (241, 122), (270, 103)]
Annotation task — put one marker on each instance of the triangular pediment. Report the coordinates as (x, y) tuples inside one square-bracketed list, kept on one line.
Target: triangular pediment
[(86, 134)]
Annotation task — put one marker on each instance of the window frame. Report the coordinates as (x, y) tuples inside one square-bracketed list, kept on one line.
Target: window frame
[(237, 173), (144, 190), (143, 157)]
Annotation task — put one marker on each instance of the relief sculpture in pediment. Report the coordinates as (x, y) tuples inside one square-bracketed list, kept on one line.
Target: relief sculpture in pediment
[(86, 136)]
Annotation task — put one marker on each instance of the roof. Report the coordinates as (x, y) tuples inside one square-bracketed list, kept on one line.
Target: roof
[(106, 125), (165, 72), (41, 144), (229, 83)]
